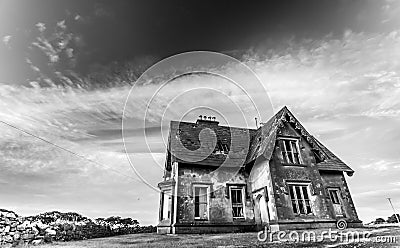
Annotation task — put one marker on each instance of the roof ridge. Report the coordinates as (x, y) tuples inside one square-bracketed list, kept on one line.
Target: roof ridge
[(187, 122)]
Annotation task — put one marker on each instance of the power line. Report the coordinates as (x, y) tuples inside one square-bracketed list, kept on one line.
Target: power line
[(67, 150)]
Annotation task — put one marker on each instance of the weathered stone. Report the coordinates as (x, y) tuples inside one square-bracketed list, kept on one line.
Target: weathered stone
[(9, 245), (37, 242), (35, 230), (50, 231), (11, 215), (7, 238), (17, 236)]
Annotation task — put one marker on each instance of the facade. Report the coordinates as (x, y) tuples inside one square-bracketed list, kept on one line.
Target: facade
[(229, 179)]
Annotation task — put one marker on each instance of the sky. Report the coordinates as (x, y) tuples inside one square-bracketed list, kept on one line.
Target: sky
[(67, 68)]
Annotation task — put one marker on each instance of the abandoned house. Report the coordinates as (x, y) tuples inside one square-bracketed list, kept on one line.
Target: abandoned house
[(277, 175)]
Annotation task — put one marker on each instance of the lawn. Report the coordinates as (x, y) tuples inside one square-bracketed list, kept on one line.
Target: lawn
[(231, 240)]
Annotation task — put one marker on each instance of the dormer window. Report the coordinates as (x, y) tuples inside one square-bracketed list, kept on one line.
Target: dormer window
[(290, 150), (221, 148)]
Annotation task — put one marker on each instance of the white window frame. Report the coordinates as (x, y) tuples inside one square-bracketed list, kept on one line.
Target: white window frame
[(292, 153), (208, 200), (242, 188), (297, 210)]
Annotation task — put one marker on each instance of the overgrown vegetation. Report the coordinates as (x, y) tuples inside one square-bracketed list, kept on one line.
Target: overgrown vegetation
[(57, 226)]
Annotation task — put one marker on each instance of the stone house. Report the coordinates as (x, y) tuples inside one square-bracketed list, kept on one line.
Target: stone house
[(229, 179)]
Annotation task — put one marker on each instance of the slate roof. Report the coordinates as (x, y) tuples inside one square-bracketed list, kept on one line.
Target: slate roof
[(248, 145), (332, 163), (185, 146)]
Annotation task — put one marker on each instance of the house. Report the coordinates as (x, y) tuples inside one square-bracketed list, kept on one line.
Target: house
[(229, 179)]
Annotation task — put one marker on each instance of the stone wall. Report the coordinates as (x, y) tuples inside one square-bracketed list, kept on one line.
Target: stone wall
[(56, 226), (15, 230)]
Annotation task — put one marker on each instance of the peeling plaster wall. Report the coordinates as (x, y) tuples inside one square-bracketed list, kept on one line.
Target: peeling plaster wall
[(337, 179), (306, 172), (260, 177), (220, 210)]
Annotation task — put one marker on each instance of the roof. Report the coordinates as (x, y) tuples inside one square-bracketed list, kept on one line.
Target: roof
[(332, 163), (185, 146), (245, 145)]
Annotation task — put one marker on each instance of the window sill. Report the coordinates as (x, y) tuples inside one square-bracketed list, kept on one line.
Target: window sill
[(304, 215), (298, 165), (197, 219)]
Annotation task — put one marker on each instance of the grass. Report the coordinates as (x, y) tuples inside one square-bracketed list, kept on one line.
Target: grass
[(223, 240)]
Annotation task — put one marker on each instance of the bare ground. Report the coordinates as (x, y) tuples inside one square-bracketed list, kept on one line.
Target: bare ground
[(387, 237)]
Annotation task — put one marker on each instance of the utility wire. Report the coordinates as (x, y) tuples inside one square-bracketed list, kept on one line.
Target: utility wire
[(69, 151)]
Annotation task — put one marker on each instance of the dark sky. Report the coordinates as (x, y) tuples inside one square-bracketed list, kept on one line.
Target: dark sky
[(122, 30), (342, 83)]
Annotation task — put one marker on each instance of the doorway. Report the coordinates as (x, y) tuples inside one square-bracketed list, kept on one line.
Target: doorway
[(262, 215)]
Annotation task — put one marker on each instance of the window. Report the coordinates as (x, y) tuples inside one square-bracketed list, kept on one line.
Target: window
[(221, 148), (290, 151), (236, 195), (333, 193), (300, 198), (201, 202), (167, 203), (317, 155)]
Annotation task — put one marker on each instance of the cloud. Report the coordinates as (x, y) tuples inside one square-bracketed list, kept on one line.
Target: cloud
[(354, 75), (41, 26), (6, 39), (383, 165), (345, 90)]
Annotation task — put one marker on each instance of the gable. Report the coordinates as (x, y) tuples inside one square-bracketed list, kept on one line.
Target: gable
[(265, 138)]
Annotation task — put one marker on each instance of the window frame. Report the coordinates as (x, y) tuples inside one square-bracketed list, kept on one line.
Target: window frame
[(305, 202), (242, 189), (208, 200), (336, 191), (285, 152), (221, 148)]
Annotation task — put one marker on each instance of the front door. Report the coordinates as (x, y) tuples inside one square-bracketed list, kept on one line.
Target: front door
[(334, 194)]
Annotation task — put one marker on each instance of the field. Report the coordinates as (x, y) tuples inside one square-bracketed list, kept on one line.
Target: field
[(379, 237)]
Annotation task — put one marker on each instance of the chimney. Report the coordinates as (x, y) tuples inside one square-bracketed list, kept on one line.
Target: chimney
[(207, 120)]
